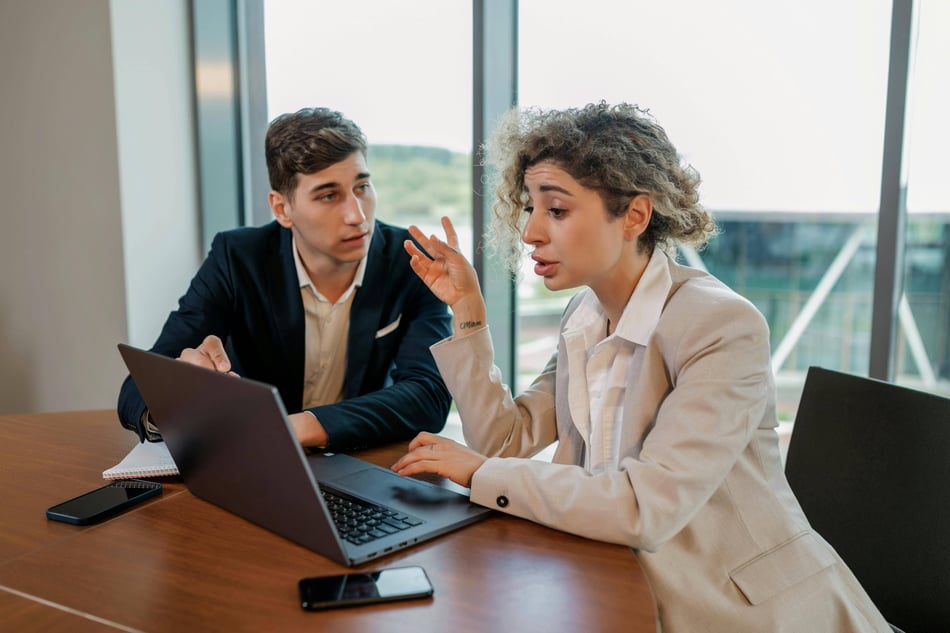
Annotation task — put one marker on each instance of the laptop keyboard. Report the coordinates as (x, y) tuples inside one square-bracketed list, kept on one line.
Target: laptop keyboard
[(361, 522)]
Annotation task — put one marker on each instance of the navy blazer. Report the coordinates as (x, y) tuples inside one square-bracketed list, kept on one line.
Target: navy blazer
[(247, 293)]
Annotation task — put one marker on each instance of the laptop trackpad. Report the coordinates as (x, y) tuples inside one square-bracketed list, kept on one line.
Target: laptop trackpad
[(380, 485)]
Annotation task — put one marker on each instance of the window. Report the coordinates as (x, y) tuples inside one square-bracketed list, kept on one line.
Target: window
[(406, 84), (923, 345), (780, 107)]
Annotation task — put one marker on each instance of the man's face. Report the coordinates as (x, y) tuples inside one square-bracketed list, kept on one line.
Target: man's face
[(331, 213)]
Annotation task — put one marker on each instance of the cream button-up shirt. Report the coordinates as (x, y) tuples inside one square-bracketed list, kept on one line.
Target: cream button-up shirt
[(326, 330)]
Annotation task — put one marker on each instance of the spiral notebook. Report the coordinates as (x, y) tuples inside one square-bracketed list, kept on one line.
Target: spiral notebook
[(149, 459)]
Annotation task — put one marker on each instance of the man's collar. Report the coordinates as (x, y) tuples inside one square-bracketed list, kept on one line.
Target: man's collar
[(304, 279)]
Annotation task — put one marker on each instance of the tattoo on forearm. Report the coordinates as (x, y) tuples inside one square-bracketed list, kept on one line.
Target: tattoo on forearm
[(464, 325)]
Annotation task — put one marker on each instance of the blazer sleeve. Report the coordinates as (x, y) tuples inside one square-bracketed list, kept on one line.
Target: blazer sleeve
[(414, 397), (204, 309), (718, 362), (493, 422)]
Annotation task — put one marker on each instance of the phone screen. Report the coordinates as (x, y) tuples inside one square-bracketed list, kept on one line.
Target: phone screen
[(384, 585), (102, 502)]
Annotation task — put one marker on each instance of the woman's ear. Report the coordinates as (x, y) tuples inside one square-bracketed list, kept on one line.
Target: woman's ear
[(280, 206), (637, 219)]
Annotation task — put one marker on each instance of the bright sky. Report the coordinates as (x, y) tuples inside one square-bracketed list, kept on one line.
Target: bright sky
[(779, 105), (400, 70)]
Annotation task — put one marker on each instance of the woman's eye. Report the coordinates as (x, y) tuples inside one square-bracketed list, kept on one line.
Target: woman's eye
[(528, 210), (557, 212)]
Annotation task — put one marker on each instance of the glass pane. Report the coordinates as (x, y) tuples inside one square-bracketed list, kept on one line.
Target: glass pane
[(923, 351), (408, 85), (780, 107)]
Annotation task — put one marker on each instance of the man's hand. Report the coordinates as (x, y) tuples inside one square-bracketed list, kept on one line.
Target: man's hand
[(308, 429), (210, 355), (429, 453)]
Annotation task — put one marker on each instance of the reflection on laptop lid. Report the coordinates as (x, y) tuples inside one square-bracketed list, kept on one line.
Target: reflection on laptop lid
[(234, 447)]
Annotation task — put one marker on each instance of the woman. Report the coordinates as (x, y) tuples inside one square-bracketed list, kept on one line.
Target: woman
[(660, 395)]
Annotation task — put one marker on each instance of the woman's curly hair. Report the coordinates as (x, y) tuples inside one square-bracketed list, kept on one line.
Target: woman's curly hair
[(617, 150)]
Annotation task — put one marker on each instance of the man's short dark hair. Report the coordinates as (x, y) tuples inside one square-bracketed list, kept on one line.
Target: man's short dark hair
[(307, 141)]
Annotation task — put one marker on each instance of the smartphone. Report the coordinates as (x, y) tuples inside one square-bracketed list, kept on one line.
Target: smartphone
[(345, 590), (103, 502)]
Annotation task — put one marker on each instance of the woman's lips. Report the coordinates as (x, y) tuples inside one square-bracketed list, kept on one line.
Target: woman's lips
[(542, 267)]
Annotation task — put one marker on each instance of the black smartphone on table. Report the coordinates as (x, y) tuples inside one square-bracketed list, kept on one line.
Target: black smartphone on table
[(103, 502), (345, 590)]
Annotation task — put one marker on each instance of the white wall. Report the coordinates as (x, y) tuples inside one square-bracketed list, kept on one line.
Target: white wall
[(63, 276), (157, 164)]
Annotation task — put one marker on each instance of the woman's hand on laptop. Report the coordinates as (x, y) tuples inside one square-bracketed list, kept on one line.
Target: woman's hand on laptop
[(210, 355), (430, 453)]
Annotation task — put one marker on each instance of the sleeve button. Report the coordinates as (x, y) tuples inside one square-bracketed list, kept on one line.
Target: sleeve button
[(502, 501)]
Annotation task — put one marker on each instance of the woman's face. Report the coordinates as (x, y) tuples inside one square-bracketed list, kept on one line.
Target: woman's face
[(576, 243)]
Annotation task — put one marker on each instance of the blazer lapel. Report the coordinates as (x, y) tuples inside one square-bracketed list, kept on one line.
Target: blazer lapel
[(365, 315), (578, 399), (287, 313), (571, 399)]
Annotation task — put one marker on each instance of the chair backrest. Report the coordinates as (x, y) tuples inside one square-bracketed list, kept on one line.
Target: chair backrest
[(870, 464)]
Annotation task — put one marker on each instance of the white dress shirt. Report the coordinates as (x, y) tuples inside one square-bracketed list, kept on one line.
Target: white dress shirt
[(608, 362)]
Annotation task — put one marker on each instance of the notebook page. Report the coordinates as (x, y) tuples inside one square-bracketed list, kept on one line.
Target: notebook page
[(149, 459)]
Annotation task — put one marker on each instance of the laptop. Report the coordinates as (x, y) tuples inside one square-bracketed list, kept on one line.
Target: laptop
[(234, 447)]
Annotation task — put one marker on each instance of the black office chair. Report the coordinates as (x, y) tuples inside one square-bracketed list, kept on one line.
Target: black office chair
[(870, 464)]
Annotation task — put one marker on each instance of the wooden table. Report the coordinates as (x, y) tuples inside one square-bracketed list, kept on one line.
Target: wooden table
[(177, 563)]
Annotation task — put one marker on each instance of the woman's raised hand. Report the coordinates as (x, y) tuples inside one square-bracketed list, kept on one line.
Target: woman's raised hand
[(448, 275)]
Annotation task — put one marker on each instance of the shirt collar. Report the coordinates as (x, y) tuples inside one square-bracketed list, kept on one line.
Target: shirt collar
[(642, 312), (304, 279)]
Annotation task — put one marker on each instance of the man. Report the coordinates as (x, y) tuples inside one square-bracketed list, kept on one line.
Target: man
[(321, 303)]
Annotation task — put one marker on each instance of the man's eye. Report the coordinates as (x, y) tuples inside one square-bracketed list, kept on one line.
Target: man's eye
[(328, 197)]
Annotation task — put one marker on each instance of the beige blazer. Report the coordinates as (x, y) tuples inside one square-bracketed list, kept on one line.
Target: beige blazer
[(700, 494)]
